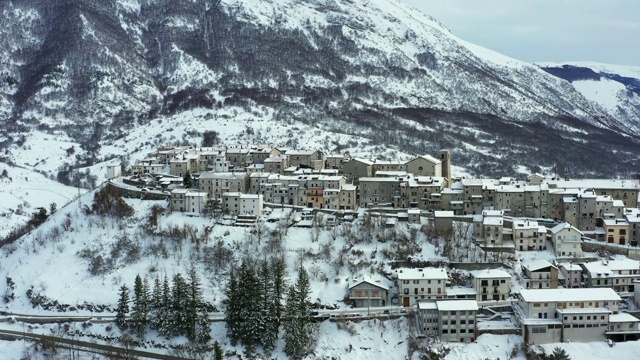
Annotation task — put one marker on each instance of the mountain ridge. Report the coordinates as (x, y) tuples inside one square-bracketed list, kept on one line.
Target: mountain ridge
[(360, 63)]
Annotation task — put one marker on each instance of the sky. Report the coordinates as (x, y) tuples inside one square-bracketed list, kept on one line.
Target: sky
[(606, 31)]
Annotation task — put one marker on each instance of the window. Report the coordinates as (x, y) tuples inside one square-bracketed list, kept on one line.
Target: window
[(405, 281), (416, 281)]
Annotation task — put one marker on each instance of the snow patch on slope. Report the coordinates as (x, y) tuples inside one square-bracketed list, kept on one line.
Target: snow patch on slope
[(605, 92)]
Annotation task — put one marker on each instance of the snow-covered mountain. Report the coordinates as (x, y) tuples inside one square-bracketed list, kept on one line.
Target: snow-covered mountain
[(614, 87), (88, 72)]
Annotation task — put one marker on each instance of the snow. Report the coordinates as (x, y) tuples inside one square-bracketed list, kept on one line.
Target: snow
[(575, 294), (457, 305), (605, 92)]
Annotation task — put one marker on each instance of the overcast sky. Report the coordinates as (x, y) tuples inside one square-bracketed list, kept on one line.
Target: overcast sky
[(545, 30)]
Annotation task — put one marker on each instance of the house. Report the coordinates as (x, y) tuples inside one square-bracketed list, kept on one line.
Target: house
[(491, 284), (566, 240), (528, 235), (625, 273), (189, 201), (242, 204), (572, 274), (113, 171), (276, 164), (540, 274), (443, 221), (416, 285), (560, 315), (348, 197), (449, 320), (633, 218), (368, 293), (616, 231), (492, 227), (216, 184), (597, 274), (413, 216), (357, 168), (311, 159), (425, 165)]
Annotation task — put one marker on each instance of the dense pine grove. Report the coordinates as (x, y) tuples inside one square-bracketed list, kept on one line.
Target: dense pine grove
[(255, 308), (173, 310)]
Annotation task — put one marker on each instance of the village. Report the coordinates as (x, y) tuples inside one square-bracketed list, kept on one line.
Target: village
[(587, 291)]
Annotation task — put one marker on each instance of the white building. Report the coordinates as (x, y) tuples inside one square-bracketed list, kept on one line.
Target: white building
[(559, 315), (567, 240), (188, 201), (369, 293), (449, 320), (113, 171), (242, 204), (491, 284), (415, 285), (528, 235)]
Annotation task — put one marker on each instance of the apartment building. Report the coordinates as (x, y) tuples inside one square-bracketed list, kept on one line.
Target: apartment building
[(491, 284), (216, 184), (449, 320), (566, 240), (560, 315), (540, 274), (415, 285), (528, 235), (242, 204), (369, 293)]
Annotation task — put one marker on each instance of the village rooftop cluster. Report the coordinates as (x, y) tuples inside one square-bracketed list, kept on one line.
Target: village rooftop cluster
[(576, 297)]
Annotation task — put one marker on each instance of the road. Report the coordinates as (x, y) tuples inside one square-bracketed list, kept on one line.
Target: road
[(108, 350)]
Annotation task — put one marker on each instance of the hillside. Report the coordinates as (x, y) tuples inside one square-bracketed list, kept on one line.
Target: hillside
[(87, 73)]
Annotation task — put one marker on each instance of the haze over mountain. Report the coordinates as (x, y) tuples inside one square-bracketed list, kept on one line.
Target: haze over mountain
[(89, 72)]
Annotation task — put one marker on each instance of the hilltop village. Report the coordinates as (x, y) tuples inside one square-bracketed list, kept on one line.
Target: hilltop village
[(587, 291)]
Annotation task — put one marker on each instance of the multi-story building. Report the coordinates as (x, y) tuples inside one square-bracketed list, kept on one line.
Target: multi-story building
[(528, 235), (566, 240), (491, 284), (357, 168), (276, 164), (572, 275), (560, 315), (625, 273), (313, 159), (449, 320), (415, 285), (216, 184), (540, 274), (348, 197), (189, 201), (242, 204), (616, 231)]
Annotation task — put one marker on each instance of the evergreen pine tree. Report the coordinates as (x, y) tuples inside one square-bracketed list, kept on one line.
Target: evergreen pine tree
[(186, 180), (249, 311), (217, 351), (146, 301), (155, 306), (138, 310), (559, 354), (178, 320), (123, 308), (164, 311), (194, 303), (279, 289), (265, 304), (299, 330), (203, 328), (232, 311)]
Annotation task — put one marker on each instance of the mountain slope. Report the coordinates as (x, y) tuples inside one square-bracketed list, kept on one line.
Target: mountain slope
[(379, 69), (614, 87)]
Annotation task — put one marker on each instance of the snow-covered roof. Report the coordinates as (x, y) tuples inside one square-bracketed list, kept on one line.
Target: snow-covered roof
[(457, 305), (556, 229), (490, 274), (538, 264), (422, 273), (459, 290), (623, 317), (596, 183), (492, 213), (492, 221), (427, 305), (222, 175), (429, 158), (377, 283), (597, 268), (623, 264), (576, 294), (525, 224), (443, 214), (571, 267), (616, 222)]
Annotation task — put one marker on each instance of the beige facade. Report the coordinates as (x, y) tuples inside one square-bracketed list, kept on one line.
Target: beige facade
[(189, 201), (616, 231), (528, 235), (425, 165)]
